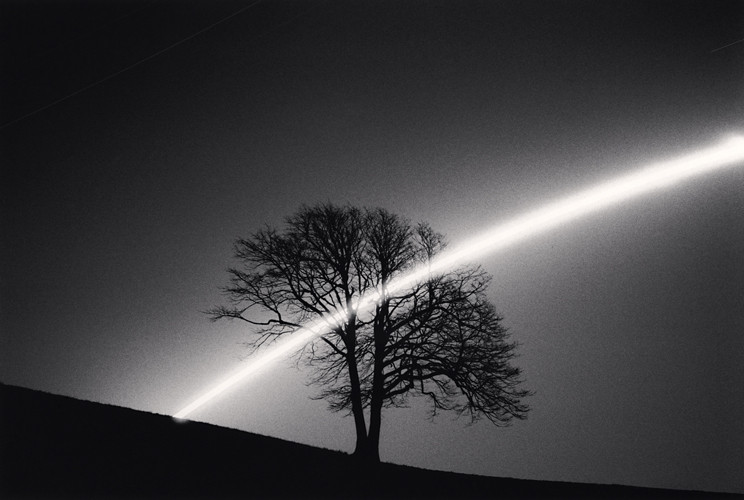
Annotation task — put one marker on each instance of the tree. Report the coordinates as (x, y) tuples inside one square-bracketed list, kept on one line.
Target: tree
[(440, 338)]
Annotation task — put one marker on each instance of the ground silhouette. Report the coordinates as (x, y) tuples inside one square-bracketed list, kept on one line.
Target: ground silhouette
[(59, 447)]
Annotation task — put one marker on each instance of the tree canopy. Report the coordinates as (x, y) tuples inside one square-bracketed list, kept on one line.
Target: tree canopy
[(439, 338)]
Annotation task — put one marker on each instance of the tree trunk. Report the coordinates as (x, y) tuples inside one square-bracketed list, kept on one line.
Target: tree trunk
[(375, 406), (357, 408), (378, 386), (358, 411), (373, 440)]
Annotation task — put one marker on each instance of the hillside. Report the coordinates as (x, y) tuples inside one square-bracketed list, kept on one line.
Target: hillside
[(58, 447)]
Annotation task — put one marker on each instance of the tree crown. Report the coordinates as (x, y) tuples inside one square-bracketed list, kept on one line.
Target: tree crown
[(440, 338)]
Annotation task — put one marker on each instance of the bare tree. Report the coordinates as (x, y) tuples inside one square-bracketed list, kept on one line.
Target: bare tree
[(440, 338)]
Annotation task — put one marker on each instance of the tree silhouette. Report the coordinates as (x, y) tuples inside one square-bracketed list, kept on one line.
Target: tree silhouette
[(440, 338)]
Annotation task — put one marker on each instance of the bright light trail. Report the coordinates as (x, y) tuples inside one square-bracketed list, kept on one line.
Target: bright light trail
[(656, 176), (295, 341)]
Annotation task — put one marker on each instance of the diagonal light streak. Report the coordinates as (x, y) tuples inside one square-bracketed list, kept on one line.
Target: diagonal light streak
[(651, 178), (727, 45), (123, 70)]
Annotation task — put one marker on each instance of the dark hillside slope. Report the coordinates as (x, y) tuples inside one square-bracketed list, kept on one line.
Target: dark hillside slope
[(59, 447)]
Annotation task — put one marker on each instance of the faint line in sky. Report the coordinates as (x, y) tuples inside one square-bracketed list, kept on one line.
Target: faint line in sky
[(117, 73), (727, 45)]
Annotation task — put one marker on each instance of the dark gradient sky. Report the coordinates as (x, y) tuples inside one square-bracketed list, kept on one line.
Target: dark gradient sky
[(120, 205)]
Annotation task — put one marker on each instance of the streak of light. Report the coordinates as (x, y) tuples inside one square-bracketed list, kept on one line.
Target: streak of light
[(134, 65), (648, 179), (727, 45)]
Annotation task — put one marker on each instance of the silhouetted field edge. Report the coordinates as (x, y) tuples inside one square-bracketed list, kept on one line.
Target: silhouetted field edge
[(56, 446)]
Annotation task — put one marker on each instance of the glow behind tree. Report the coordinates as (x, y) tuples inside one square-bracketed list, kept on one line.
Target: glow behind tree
[(605, 195)]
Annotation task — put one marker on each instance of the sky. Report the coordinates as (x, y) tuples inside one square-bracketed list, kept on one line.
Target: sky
[(140, 139)]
